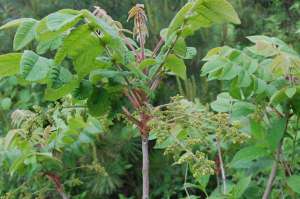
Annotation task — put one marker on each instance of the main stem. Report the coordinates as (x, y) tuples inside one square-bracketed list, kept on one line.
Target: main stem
[(272, 175), (145, 150)]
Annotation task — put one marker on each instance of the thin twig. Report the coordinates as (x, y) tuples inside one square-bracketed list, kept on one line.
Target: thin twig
[(276, 111), (295, 141), (185, 179), (157, 47), (272, 175), (130, 117), (222, 167)]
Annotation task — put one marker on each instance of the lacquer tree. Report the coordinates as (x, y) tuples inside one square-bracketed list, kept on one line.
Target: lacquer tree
[(262, 94), (91, 58)]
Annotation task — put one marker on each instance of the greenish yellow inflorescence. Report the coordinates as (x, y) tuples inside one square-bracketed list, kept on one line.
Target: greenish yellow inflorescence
[(184, 129)]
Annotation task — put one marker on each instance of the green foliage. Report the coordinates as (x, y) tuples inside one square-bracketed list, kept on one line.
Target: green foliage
[(263, 95), (34, 67), (25, 34), (293, 183), (184, 129), (176, 65), (10, 64), (73, 54)]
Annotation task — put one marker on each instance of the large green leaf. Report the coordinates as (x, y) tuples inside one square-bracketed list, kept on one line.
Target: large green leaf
[(294, 183), (34, 67), (48, 158), (275, 132), (202, 13), (52, 94), (99, 23), (176, 65), (15, 23), (58, 20), (218, 11), (52, 44), (179, 18), (25, 34), (223, 103), (258, 132), (51, 26), (84, 90), (5, 103), (10, 64), (83, 47), (241, 187), (99, 102), (242, 109), (245, 156)]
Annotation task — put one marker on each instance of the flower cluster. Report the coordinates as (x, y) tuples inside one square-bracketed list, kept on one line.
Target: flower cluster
[(185, 129)]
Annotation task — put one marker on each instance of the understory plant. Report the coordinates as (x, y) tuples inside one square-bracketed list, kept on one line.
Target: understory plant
[(261, 93), (89, 59)]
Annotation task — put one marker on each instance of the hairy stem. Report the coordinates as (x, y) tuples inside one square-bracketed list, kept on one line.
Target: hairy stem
[(145, 170)]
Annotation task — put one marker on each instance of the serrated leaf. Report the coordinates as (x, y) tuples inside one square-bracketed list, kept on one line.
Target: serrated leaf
[(34, 67), (25, 34), (10, 64), (176, 65)]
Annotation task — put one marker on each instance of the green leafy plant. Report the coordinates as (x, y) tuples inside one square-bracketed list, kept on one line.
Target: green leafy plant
[(262, 93), (90, 57)]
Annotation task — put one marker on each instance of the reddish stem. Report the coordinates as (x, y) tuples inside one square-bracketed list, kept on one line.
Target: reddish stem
[(157, 47)]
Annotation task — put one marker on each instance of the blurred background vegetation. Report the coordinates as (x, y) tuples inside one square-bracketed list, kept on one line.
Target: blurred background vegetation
[(279, 18)]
